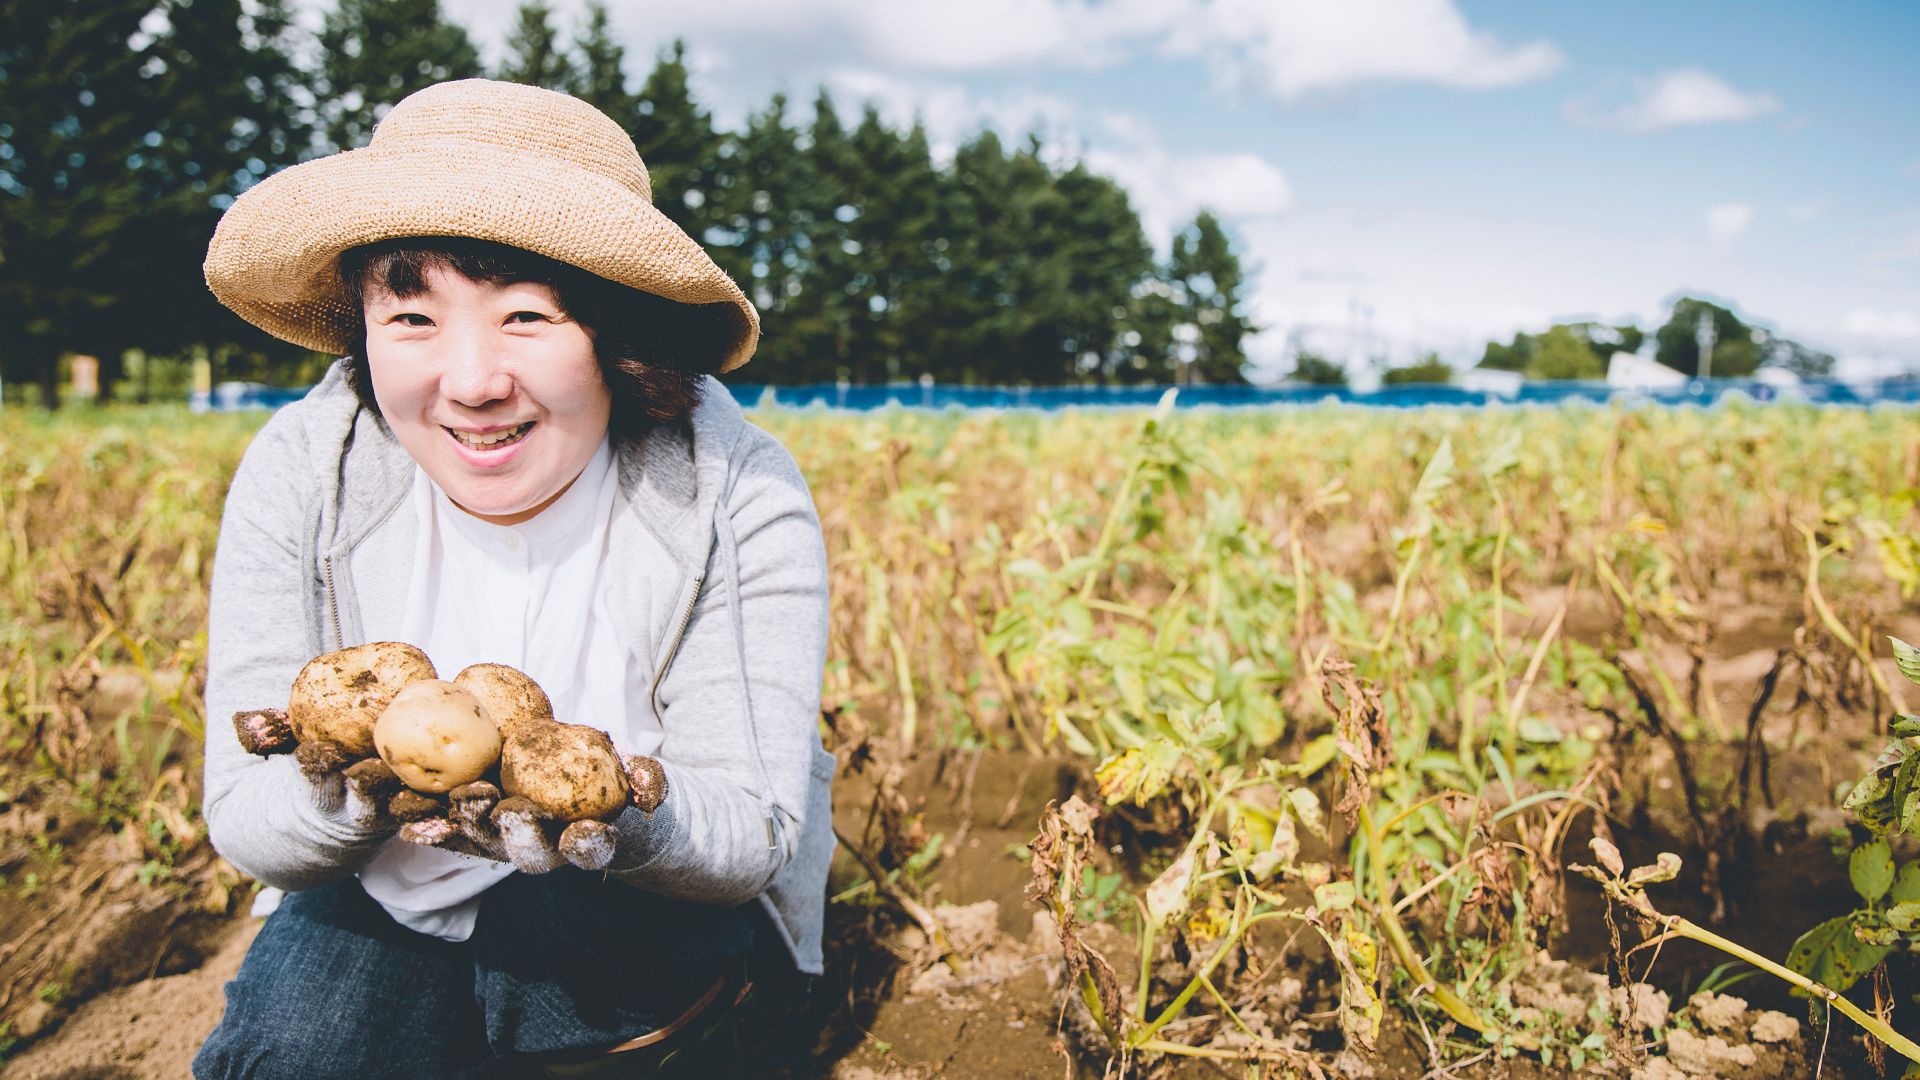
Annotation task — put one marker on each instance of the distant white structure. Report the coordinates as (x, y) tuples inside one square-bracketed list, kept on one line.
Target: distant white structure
[(1506, 384), (1627, 371)]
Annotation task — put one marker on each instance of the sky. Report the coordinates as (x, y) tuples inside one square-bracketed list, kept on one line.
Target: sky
[(1406, 176)]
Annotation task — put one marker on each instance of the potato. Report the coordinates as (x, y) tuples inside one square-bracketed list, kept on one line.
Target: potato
[(509, 695), (436, 736), (339, 695), (569, 771)]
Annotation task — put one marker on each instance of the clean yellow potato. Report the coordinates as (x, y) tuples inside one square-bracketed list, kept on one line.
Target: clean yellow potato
[(339, 695), (437, 736), (509, 695), (569, 771)]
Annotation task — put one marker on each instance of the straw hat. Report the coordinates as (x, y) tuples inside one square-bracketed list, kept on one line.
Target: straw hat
[(490, 160)]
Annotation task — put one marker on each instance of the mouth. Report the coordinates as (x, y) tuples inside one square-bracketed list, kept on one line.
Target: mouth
[(491, 440)]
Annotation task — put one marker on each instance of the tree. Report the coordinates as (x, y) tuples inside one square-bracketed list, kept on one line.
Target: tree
[(1778, 352), (73, 111), (534, 55), (1561, 354), (1207, 271), (1316, 370), (602, 81), (234, 111), (118, 148), (375, 52), (1734, 354), (1579, 350), (1428, 369), (676, 140)]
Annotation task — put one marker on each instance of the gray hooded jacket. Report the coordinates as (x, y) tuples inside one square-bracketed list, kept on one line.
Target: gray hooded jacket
[(722, 579)]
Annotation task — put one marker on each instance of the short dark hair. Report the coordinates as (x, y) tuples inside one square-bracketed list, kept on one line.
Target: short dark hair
[(653, 352)]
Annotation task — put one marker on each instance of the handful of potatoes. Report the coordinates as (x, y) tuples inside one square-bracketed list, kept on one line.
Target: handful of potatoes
[(477, 764)]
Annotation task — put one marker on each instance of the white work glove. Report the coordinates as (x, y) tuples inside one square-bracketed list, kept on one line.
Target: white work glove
[(480, 822)]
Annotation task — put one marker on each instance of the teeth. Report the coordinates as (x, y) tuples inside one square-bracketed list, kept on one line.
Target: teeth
[(481, 442)]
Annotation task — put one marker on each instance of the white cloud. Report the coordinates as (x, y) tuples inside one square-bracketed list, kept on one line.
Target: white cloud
[(1287, 49), (1676, 99), (1294, 49), (1726, 223), (1234, 185), (1868, 323), (1804, 211), (1168, 189)]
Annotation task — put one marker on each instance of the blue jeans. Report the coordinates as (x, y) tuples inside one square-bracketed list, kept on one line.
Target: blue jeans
[(558, 962)]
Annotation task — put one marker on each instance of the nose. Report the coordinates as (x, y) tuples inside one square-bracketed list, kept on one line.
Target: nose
[(477, 373)]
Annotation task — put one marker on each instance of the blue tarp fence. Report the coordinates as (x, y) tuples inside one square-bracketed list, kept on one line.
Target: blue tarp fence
[(231, 397)]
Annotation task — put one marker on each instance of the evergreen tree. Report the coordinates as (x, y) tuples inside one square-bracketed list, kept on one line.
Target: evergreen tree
[(74, 109), (233, 113), (820, 314), (766, 200), (375, 52), (120, 149), (676, 140), (1207, 271), (602, 81), (534, 54)]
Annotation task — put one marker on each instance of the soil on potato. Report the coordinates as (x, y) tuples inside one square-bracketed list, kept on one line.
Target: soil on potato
[(103, 975)]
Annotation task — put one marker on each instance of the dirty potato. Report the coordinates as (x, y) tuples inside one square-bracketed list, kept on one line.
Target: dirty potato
[(569, 771), (437, 736), (509, 695), (339, 695)]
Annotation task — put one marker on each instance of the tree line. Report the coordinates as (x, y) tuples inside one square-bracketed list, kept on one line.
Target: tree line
[(1582, 350), (127, 126)]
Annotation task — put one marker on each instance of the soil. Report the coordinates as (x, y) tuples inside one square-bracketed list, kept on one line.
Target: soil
[(105, 976)]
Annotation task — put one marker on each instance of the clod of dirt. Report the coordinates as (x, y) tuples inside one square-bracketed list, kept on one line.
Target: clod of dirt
[(1557, 986), (1650, 1006), (36, 1020), (1775, 1027), (970, 927), (1710, 1056), (1718, 1012)]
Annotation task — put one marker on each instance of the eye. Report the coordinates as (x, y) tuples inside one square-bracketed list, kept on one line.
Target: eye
[(411, 318), (529, 317)]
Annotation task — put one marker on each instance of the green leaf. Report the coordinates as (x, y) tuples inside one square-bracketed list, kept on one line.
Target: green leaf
[(1316, 756), (1871, 868), (1333, 896), (1437, 476), (1077, 618), (1830, 955), (1904, 917), (1533, 729), (1906, 884), (1907, 659), (1140, 774), (1905, 726), (1028, 568)]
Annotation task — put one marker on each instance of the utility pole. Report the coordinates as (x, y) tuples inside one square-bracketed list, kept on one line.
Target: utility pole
[(1704, 337)]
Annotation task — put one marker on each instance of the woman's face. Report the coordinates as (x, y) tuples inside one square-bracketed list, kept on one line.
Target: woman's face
[(493, 389)]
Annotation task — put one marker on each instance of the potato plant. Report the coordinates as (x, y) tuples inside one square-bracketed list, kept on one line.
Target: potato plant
[(1420, 644)]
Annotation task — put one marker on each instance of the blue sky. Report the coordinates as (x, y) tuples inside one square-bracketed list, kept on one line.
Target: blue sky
[(1412, 175)]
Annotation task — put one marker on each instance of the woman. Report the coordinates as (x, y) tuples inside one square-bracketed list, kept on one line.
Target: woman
[(523, 459)]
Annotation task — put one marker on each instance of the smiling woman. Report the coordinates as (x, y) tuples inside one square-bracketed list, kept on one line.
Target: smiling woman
[(522, 459)]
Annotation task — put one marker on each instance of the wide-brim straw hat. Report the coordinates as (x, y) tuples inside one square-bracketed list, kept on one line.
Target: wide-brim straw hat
[(476, 158)]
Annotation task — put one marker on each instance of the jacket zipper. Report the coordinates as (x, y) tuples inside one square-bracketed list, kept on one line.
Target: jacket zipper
[(653, 692), (333, 602)]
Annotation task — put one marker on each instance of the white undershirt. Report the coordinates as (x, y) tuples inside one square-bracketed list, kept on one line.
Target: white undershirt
[(530, 596)]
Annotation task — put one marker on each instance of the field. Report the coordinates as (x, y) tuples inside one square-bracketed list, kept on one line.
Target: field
[(1293, 724)]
